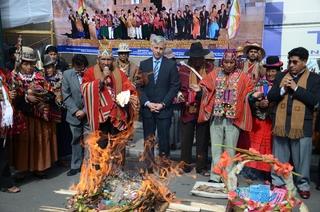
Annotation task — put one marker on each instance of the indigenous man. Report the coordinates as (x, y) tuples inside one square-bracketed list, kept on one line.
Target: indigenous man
[(254, 69), (190, 109), (102, 84), (296, 92), (124, 64), (224, 100), (252, 65)]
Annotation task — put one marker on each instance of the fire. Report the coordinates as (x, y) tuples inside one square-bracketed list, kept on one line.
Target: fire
[(104, 158)]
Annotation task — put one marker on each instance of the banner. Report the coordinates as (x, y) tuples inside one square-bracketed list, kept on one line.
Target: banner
[(220, 24)]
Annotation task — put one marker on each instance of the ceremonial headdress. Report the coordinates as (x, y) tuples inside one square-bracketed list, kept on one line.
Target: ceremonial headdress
[(105, 49)]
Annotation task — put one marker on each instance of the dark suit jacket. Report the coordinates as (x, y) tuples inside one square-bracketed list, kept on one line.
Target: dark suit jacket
[(72, 96), (164, 90), (309, 96)]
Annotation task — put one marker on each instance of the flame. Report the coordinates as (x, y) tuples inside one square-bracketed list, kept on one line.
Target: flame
[(104, 156)]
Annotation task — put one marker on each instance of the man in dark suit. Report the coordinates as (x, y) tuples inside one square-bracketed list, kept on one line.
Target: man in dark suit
[(76, 115), (157, 95), (296, 93)]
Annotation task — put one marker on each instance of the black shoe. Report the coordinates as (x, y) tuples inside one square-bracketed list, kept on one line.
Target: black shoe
[(40, 174), (72, 172), (213, 181)]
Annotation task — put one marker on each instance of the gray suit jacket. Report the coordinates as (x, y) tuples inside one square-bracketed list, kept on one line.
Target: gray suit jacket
[(73, 99)]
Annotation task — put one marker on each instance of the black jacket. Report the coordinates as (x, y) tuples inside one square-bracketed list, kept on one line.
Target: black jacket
[(163, 91), (309, 96)]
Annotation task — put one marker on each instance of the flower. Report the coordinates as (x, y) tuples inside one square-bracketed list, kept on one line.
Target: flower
[(282, 169), (223, 163), (232, 195), (225, 159)]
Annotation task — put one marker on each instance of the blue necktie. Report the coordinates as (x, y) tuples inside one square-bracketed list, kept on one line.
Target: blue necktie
[(156, 70)]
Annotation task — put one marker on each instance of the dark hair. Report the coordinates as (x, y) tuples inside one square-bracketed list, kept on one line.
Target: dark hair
[(51, 49), (80, 60), (300, 52)]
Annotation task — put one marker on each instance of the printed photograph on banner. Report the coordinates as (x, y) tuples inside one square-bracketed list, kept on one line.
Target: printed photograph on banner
[(218, 24)]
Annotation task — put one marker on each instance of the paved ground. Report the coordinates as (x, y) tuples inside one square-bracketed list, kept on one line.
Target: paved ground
[(38, 194)]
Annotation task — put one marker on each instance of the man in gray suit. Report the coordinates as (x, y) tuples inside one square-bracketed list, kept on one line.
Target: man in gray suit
[(76, 115)]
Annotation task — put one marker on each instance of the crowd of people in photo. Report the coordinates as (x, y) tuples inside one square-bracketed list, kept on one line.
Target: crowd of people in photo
[(243, 102), (140, 23)]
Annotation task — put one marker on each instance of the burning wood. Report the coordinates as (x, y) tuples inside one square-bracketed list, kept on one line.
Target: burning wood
[(104, 187)]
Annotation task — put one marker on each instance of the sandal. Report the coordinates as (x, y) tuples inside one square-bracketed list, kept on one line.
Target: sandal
[(13, 189)]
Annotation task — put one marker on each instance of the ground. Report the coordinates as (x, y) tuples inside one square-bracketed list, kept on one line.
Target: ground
[(38, 195)]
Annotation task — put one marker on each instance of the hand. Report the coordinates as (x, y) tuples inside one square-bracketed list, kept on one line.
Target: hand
[(80, 114), (33, 99), (257, 95), (106, 71), (180, 97), (195, 87), (152, 106), (159, 107), (264, 103), (287, 82), (292, 84), (13, 94)]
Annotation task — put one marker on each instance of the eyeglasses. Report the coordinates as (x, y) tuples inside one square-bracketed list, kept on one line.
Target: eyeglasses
[(294, 62)]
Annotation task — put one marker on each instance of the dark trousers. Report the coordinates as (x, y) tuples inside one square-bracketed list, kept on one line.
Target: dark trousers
[(150, 125), (203, 31), (5, 175), (202, 131)]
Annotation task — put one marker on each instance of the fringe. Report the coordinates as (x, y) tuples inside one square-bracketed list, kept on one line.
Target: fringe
[(296, 133), (279, 131)]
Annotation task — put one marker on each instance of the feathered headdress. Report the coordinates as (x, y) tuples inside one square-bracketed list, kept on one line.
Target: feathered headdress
[(105, 49)]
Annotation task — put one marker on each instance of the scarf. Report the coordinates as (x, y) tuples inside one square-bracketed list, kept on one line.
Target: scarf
[(297, 114)]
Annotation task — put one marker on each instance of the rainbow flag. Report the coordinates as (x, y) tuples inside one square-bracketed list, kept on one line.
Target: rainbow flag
[(234, 19), (81, 6)]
